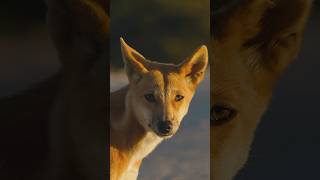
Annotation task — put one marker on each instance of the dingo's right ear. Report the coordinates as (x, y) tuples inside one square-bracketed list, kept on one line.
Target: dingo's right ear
[(135, 63)]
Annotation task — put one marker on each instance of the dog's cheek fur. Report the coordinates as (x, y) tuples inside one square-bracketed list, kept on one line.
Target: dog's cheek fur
[(142, 111)]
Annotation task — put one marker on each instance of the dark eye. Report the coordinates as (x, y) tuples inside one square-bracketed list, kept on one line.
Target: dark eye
[(150, 98), (221, 114), (178, 98)]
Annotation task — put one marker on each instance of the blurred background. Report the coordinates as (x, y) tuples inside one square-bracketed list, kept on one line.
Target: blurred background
[(164, 30), (168, 31), (287, 142)]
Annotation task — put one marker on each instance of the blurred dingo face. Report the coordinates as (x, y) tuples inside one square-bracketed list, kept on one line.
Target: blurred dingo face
[(253, 44)]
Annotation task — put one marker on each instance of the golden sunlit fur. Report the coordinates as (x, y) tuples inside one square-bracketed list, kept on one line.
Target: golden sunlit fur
[(252, 45), (136, 115)]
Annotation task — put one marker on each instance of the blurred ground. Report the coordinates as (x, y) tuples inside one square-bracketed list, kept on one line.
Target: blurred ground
[(186, 155)]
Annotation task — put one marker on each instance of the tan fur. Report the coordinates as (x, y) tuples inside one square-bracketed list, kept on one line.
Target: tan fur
[(134, 120), (253, 44)]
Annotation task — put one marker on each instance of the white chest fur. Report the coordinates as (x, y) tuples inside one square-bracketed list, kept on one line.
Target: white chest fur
[(146, 146), (142, 149)]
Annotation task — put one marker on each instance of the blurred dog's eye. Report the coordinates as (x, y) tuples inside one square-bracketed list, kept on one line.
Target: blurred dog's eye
[(150, 98), (178, 98), (221, 114)]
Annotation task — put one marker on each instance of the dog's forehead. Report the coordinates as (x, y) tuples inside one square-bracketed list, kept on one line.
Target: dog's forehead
[(156, 79), (175, 81), (167, 81), (230, 77)]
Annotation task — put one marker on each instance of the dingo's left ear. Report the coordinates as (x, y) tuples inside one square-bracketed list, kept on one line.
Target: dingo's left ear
[(135, 64), (80, 32), (195, 66)]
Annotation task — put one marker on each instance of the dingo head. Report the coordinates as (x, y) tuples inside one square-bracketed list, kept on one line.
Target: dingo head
[(253, 44), (159, 94)]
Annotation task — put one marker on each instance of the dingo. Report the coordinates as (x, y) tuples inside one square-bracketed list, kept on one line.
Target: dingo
[(150, 108), (253, 43)]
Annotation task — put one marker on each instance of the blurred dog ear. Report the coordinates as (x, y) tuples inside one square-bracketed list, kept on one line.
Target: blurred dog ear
[(80, 31), (281, 29), (273, 28), (237, 20)]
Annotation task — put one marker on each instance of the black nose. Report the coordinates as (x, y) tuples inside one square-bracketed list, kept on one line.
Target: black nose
[(165, 127)]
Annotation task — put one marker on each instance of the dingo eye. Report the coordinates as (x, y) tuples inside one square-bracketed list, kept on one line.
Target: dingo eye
[(221, 114), (178, 97), (150, 98)]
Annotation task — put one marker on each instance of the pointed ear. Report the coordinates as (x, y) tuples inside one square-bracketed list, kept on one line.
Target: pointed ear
[(281, 30), (135, 64), (194, 67), (83, 41)]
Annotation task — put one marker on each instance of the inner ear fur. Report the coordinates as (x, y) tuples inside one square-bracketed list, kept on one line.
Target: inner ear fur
[(194, 67), (280, 33), (135, 64), (237, 23)]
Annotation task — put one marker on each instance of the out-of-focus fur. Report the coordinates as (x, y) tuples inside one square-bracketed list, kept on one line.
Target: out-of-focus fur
[(253, 43), (58, 131)]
